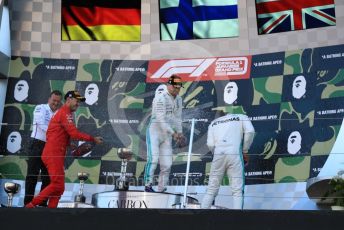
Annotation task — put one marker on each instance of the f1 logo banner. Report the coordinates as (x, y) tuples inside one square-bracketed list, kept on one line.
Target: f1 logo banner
[(200, 69)]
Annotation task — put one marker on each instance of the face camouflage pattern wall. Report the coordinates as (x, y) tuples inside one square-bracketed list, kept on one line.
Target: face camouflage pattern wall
[(294, 99)]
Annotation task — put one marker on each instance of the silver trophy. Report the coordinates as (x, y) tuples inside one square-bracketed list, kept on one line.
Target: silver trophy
[(11, 189), (122, 182), (82, 176)]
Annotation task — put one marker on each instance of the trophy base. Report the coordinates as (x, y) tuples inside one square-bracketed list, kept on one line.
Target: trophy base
[(196, 206), (122, 185), (80, 199), (74, 205), (138, 199)]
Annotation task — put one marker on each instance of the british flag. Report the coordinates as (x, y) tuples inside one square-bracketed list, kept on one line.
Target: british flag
[(274, 16)]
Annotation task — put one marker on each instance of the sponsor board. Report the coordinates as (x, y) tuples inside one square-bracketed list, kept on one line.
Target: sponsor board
[(317, 162), (270, 64), (260, 171), (200, 69)]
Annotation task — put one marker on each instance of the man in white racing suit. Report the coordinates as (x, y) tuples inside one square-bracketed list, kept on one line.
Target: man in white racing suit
[(165, 124), (229, 138)]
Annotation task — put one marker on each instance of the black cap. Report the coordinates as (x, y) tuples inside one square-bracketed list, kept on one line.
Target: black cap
[(175, 80), (74, 94)]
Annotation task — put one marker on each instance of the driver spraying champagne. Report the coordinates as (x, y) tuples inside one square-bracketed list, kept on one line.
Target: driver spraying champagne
[(61, 131), (165, 124)]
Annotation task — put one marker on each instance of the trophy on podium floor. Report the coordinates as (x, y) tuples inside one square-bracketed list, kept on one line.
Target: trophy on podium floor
[(122, 182), (80, 199), (82, 176), (11, 189)]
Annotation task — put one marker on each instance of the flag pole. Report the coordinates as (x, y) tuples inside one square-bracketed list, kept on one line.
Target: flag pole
[(188, 163)]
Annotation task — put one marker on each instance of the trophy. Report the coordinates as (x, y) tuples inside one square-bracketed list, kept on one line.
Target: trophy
[(82, 176), (11, 189), (122, 182)]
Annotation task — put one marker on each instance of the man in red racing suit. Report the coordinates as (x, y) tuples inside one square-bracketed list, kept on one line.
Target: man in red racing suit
[(60, 131)]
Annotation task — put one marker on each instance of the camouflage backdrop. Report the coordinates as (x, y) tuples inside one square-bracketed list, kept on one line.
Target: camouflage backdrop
[(294, 99)]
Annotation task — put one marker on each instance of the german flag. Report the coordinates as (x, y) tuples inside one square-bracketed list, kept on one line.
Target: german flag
[(102, 20)]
